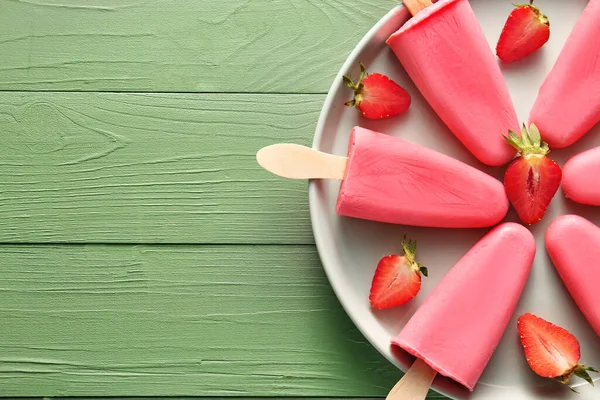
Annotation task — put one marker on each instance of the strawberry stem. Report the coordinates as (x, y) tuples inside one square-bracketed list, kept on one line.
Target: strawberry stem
[(410, 253), (410, 248)]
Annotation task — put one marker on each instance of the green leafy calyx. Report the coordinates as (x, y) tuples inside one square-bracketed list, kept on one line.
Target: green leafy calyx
[(529, 142), (581, 371), (357, 87)]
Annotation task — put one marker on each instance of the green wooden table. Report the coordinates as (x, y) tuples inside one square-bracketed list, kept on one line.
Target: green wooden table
[(143, 251)]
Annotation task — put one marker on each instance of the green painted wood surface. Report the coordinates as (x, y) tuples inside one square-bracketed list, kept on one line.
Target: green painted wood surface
[(211, 286), (177, 320), (183, 46), (133, 168), (212, 398)]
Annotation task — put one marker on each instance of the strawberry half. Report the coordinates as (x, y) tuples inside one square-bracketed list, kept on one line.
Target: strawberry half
[(397, 278), (525, 31), (551, 351), (532, 179), (377, 96)]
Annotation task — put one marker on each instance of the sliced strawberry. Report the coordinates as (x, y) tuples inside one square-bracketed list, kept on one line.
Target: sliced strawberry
[(525, 31), (532, 179), (551, 351), (377, 96), (397, 278)]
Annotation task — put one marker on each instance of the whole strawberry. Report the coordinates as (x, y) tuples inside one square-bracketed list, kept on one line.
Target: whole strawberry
[(532, 179), (397, 278), (377, 96), (525, 31), (551, 351)]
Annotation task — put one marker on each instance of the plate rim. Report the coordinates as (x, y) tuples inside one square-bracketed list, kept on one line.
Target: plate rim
[(371, 45), (318, 135)]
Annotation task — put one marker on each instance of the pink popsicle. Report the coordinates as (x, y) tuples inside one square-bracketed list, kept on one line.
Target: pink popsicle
[(447, 56), (460, 324), (580, 177), (573, 243), (568, 103), (390, 180)]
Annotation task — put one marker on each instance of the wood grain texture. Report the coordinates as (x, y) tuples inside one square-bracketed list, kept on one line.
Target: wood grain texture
[(178, 321), (215, 320), (162, 168), (432, 396), (180, 46)]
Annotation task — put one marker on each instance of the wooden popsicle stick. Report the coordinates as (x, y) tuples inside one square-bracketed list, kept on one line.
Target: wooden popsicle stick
[(299, 162), (414, 6), (415, 384)]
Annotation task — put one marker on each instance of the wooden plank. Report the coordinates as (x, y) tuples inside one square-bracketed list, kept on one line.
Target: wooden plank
[(431, 396), (180, 46), (168, 168), (99, 320)]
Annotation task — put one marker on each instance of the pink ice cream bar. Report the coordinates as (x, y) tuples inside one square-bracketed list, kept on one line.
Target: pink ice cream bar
[(574, 247), (580, 178), (568, 103), (447, 56), (390, 180), (457, 328)]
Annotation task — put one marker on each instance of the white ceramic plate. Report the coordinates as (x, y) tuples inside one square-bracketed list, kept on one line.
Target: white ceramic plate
[(350, 249)]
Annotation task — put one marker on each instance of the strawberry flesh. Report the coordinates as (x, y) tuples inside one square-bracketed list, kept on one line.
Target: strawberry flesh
[(525, 31), (382, 97), (530, 184), (551, 351), (531, 180), (377, 96), (397, 278)]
